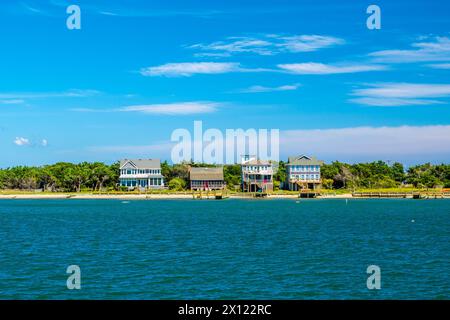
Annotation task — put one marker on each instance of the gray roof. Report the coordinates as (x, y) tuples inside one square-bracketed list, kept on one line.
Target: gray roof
[(256, 162), (304, 160), (206, 173), (142, 163)]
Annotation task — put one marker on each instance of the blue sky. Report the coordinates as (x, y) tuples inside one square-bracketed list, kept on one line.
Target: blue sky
[(133, 73)]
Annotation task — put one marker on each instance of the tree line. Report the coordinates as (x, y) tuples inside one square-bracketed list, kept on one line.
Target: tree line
[(381, 175), (62, 176), (95, 176)]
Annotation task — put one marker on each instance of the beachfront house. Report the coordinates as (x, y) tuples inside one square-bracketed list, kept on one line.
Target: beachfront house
[(206, 178), (257, 175), (303, 172), (141, 173)]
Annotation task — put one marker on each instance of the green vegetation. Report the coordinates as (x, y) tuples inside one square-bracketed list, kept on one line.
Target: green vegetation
[(61, 176), (177, 184), (379, 175), (336, 177)]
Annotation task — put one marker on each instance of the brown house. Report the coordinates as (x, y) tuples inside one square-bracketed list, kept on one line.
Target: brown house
[(206, 178)]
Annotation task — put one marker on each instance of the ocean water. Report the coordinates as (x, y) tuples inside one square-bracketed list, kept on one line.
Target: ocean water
[(228, 249)]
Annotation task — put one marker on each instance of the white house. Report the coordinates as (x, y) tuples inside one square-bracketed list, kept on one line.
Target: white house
[(141, 173), (257, 175)]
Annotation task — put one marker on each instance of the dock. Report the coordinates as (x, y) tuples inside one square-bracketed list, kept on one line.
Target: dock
[(404, 195), (309, 193), (210, 194)]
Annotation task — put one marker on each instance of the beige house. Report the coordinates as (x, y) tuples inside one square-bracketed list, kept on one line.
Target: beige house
[(206, 178)]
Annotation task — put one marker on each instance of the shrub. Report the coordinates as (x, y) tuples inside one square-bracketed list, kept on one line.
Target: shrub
[(177, 184)]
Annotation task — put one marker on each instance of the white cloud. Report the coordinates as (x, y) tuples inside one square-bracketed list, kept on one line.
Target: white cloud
[(370, 142), (181, 108), (20, 141), (211, 55), (307, 43), (321, 68), (268, 44), (430, 143), (12, 101), (393, 102), (401, 94), (107, 13), (77, 93), (435, 49), (257, 88), (238, 45), (440, 66), (173, 109), (187, 69)]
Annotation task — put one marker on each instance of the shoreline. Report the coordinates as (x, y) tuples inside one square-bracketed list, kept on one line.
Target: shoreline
[(175, 197), (149, 196)]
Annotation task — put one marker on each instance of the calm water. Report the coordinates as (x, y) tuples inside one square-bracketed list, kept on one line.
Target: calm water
[(230, 249)]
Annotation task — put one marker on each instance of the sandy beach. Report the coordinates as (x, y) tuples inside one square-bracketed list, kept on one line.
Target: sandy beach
[(87, 196), (180, 196)]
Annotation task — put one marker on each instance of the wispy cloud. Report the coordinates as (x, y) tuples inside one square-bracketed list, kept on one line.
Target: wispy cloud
[(145, 13), (401, 94), (370, 142), (237, 45), (12, 101), (30, 8), (308, 43), (75, 93), (187, 69), (267, 44), (321, 68), (172, 109), (435, 49), (184, 108), (258, 88), (138, 10), (439, 66)]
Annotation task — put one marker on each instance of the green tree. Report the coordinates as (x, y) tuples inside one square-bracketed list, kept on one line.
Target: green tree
[(281, 175), (232, 176), (398, 172), (177, 184)]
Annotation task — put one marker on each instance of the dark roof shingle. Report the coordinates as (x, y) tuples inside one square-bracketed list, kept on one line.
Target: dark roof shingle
[(206, 173)]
